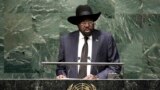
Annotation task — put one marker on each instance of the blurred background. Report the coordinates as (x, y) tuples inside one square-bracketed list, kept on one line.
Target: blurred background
[(30, 30)]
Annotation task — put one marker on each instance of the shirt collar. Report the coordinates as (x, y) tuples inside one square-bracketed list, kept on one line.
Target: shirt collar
[(82, 37)]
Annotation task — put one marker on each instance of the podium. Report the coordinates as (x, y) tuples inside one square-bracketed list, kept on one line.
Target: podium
[(110, 75)]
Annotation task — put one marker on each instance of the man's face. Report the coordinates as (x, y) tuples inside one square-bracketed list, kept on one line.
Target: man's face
[(86, 27)]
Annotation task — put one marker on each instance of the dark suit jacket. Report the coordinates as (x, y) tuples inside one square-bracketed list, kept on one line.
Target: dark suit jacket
[(103, 50)]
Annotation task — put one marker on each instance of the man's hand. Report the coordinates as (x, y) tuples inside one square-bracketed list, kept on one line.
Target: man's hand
[(91, 77), (61, 77)]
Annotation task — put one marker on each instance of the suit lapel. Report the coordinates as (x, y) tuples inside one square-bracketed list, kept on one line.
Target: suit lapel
[(95, 48), (74, 45), (74, 52), (95, 45)]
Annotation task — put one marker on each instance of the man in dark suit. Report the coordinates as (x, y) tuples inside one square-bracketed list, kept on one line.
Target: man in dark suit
[(87, 45)]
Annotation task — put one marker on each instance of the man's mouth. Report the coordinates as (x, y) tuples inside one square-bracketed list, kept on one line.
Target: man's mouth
[(87, 30)]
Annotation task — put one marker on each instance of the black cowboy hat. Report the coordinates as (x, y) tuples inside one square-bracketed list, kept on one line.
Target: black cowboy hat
[(83, 12)]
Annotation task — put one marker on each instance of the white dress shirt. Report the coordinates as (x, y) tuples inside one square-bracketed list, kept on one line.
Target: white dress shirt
[(80, 46)]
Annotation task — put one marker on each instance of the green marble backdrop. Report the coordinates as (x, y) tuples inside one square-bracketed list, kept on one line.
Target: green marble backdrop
[(30, 29)]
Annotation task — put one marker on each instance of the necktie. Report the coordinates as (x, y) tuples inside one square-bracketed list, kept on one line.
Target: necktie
[(84, 55)]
